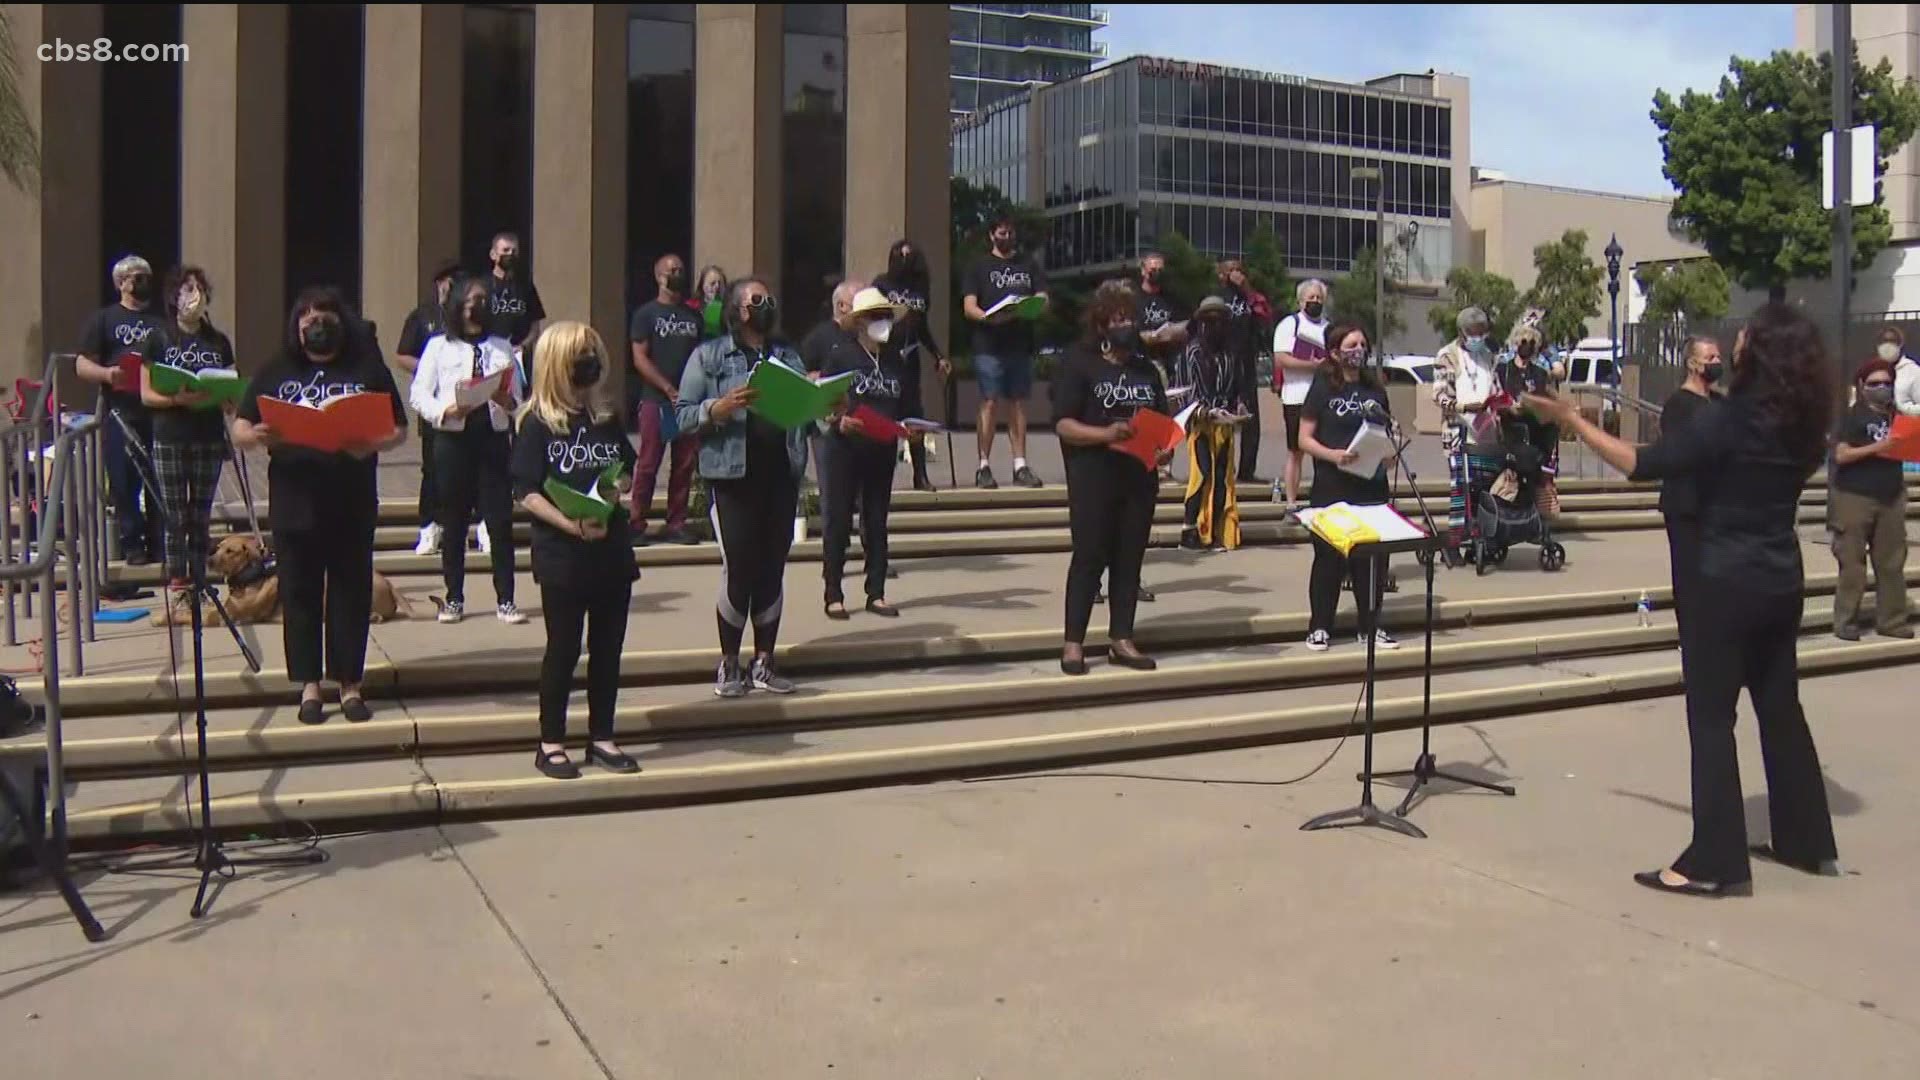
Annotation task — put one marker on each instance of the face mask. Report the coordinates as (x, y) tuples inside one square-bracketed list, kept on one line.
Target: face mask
[(905, 264), (1355, 357), (1881, 396), (1120, 337), (507, 262), (1313, 308), (191, 304), (587, 371), (141, 288), (677, 282), (880, 330), (1888, 351), (1713, 373), (1151, 277), (477, 316), (321, 337), (1003, 245), (760, 316), (1525, 352)]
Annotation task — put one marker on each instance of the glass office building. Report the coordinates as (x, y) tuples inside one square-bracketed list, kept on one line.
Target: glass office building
[(1001, 50), (1122, 157)]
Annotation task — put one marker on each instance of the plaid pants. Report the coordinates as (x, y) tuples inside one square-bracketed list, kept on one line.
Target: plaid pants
[(189, 474)]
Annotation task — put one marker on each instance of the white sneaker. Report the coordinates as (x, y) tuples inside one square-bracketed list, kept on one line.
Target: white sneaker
[(509, 614), (1381, 640), (1319, 641), (429, 541), (485, 541), (452, 611)]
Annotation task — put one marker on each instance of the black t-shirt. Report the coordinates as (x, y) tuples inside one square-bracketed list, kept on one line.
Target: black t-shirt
[(515, 305), (670, 332), (1151, 311), (113, 333), (878, 383), (1097, 392), (421, 326), (1517, 380), (992, 280), (1243, 324), (820, 343), (1337, 411), (576, 456), (197, 351), (1680, 495), (910, 328), (1877, 478), (307, 486)]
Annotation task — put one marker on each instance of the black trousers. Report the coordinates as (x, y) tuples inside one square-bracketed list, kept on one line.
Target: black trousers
[(1249, 431), (1683, 552), (753, 519), (1329, 573), (137, 530), (429, 506), (915, 403), (1110, 502), (471, 464), (1751, 638), (602, 613), (326, 595), (854, 471)]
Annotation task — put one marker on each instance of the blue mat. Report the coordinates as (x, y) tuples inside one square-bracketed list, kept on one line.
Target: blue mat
[(123, 615)]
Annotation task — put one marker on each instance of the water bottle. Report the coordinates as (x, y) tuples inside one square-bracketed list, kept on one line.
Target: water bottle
[(1644, 609)]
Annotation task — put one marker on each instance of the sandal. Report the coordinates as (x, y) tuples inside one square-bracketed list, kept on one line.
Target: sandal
[(556, 764), (879, 606)]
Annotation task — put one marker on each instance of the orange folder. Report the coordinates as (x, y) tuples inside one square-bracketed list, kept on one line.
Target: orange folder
[(366, 418), (1152, 433), (1906, 438)]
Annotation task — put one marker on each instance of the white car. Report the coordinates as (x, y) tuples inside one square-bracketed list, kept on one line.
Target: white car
[(1408, 370)]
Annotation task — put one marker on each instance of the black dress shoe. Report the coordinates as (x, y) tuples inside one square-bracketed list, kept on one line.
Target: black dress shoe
[(1074, 667), (1132, 660), (1823, 868), (618, 762), (355, 710), (837, 610), (557, 765), (880, 607), (1712, 890), (137, 556), (313, 712), (1147, 596)]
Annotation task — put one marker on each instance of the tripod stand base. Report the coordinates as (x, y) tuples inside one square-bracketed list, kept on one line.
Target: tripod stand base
[(51, 864), (213, 860), (1425, 769), (1365, 814)]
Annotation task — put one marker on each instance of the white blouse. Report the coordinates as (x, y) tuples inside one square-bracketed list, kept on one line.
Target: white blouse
[(445, 364)]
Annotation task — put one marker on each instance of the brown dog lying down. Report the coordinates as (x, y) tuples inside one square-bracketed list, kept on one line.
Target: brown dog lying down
[(258, 601)]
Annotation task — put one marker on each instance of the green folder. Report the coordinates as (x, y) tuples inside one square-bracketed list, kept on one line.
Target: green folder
[(788, 399), (586, 505), (221, 385)]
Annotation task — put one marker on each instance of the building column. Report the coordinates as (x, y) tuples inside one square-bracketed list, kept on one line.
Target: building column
[(50, 279), (898, 143), (410, 179), (737, 76), (580, 166), (233, 185)]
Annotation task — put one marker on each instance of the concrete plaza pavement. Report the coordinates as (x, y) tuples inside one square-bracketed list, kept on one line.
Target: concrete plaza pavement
[(1079, 925)]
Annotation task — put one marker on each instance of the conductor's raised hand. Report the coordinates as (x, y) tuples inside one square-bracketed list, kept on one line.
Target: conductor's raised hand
[(1551, 408)]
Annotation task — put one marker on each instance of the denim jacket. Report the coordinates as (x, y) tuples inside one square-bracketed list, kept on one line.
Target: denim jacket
[(717, 367)]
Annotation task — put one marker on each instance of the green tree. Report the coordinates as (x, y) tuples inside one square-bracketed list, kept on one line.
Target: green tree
[(1746, 161), (1189, 274), (19, 145), (1353, 295), (1491, 293), (1266, 265), (1566, 288), (1686, 291)]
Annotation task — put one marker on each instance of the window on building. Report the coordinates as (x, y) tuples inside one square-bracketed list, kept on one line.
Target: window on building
[(324, 148), (814, 149), (496, 129), (139, 147), (659, 141)]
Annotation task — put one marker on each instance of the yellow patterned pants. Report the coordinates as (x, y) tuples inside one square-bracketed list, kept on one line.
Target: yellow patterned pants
[(1213, 509)]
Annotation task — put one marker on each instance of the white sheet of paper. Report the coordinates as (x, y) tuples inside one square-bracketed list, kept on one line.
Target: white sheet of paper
[(1373, 445), (472, 394)]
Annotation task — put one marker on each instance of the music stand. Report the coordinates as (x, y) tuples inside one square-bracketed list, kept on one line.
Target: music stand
[(1366, 813)]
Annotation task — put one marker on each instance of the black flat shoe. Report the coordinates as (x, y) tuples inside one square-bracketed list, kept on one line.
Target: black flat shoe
[(1148, 596), (883, 609), (1711, 890), (313, 712), (355, 710), (618, 762), (1132, 660), (837, 610), (556, 765), (1826, 868), (1074, 667)]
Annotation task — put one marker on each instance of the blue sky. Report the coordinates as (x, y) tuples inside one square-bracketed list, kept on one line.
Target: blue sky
[(1560, 92)]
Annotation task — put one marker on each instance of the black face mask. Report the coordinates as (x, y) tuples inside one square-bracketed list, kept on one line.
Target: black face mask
[(1313, 308), (677, 282), (761, 316), (1150, 277), (1120, 337), (587, 371), (477, 318), (321, 337), (1003, 248), (1713, 373), (906, 265), (1525, 352), (141, 288), (507, 262)]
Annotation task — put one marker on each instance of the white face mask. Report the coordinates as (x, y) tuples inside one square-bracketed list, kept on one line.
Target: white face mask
[(191, 304), (880, 330), (1888, 351)]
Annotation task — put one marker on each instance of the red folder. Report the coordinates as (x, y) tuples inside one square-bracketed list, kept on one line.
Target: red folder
[(876, 427), (1152, 433), (126, 373), (362, 418), (1906, 438)]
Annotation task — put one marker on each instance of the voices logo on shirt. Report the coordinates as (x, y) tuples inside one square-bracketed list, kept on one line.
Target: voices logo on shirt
[(1011, 280), (1878, 430), (912, 301), (1154, 314), (507, 303), (315, 391), (581, 453), (192, 356), (875, 384), (666, 326), (1118, 393), (1239, 307), (1350, 404), (132, 333)]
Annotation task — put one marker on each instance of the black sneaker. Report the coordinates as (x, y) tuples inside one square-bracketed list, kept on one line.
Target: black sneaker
[(1024, 476), (1848, 632), (1190, 541), (681, 536), (983, 479), (729, 681), (137, 556), (765, 678)]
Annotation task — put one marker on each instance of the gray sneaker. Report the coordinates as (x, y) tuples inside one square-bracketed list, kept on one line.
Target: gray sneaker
[(729, 681), (1024, 476), (765, 678)]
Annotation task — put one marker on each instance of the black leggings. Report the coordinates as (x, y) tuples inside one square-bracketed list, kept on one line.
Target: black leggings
[(1753, 638), (1330, 570), (470, 463), (326, 596), (855, 470), (1110, 502), (1249, 431), (602, 611), (753, 519), (1683, 552)]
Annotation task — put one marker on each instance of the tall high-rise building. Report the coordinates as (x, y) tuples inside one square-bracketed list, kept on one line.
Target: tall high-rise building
[(1003, 49)]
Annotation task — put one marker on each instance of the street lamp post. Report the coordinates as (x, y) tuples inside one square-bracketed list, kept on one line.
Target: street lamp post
[(1378, 176), (1613, 253)]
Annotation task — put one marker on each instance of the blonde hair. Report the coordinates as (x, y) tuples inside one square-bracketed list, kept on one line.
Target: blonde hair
[(552, 398), (1523, 334)]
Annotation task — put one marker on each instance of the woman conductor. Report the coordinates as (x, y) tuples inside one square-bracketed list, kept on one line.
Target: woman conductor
[(1343, 396), (1758, 447)]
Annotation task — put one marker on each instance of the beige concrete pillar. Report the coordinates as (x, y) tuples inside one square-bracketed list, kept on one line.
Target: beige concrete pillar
[(51, 277), (410, 176), (233, 184), (736, 153), (897, 142), (580, 166)]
